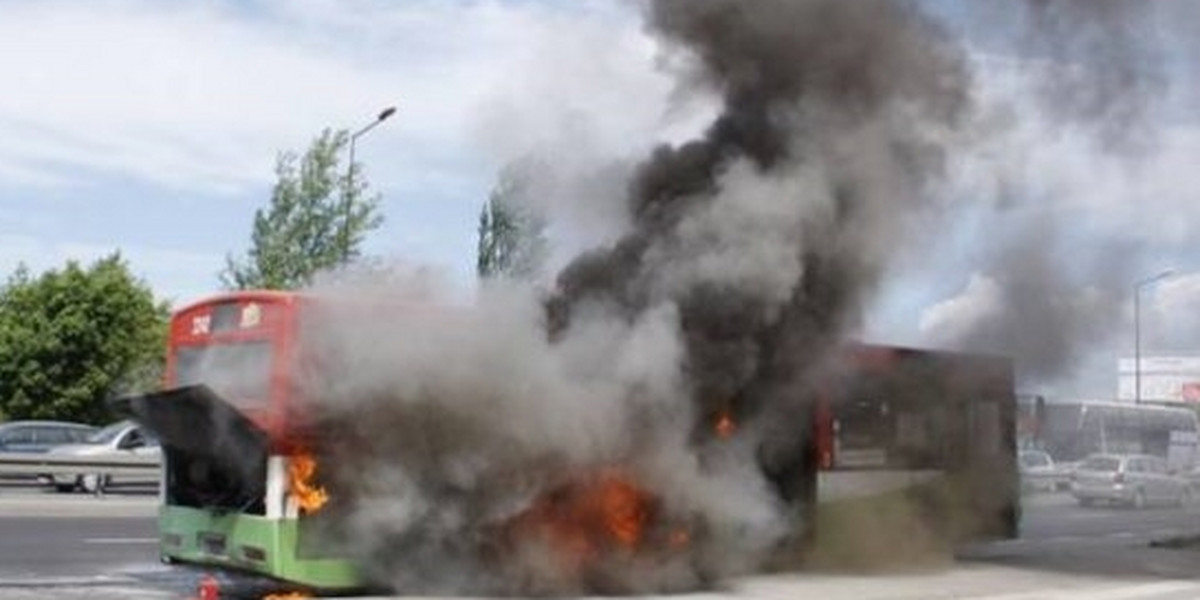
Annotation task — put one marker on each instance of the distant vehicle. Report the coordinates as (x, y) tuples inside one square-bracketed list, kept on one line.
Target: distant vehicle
[(40, 436), (1039, 473), (121, 438), (1072, 432), (1136, 480)]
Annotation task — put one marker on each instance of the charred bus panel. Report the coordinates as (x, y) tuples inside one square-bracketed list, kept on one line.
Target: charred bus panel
[(918, 444)]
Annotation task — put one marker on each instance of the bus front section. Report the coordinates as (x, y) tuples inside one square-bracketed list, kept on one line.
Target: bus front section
[(239, 491)]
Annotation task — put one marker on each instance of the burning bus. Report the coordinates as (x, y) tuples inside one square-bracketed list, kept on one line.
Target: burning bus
[(251, 470)]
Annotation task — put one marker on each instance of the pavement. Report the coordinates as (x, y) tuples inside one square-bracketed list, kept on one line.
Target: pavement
[(78, 546)]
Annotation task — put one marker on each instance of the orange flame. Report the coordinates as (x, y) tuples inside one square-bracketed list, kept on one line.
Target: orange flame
[(680, 538), (301, 469), (622, 507), (724, 425), (287, 596), (589, 517)]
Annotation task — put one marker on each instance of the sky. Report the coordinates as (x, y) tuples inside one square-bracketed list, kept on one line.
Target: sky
[(153, 127)]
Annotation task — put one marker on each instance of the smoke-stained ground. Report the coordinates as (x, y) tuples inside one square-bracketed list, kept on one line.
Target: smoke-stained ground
[(751, 252)]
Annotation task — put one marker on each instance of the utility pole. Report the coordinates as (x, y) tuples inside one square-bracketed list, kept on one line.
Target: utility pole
[(348, 201), (1137, 330)]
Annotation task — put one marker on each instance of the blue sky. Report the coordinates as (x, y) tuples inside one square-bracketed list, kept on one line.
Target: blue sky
[(152, 127)]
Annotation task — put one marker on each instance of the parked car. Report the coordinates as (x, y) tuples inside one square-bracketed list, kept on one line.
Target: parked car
[(1039, 473), (119, 439), (40, 436), (1136, 480)]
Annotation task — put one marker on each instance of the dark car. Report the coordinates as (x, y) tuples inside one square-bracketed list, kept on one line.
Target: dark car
[(41, 436)]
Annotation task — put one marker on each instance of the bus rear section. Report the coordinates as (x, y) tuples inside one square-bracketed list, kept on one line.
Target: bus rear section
[(238, 489), (917, 451)]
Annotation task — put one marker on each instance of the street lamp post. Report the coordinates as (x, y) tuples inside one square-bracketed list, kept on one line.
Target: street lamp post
[(348, 202), (1137, 330)]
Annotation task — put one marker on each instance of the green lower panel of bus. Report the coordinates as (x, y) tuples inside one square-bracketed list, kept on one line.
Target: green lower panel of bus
[(250, 543)]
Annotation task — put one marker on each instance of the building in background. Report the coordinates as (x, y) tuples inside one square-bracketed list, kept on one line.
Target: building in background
[(1165, 379)]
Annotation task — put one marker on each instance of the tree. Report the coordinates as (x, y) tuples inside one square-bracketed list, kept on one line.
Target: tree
[(72, 338), (316, 220), (512, 239)]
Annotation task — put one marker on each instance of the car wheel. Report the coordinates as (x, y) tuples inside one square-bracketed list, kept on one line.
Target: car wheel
[(93, 484), (1139, 499)]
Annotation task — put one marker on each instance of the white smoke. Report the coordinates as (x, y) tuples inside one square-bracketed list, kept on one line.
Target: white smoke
[(462, 413)]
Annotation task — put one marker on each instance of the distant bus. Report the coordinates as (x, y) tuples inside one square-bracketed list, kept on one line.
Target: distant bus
[(1070, 432), (1167, 432)]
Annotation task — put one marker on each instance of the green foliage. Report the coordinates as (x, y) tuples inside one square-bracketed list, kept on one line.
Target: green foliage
[(71, 338), (307, 227), (512, 241)]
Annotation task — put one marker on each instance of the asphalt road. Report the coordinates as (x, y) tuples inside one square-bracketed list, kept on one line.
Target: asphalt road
[(76, 546), (1058, 518), (34, 547), (44, 534)]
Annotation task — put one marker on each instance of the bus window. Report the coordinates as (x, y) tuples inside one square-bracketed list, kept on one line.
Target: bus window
[(239, 372)]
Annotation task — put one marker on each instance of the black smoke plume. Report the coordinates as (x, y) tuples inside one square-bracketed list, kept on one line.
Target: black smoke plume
[(752, 251)]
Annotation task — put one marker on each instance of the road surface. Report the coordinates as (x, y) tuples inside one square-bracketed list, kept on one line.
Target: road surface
[(76, 546)]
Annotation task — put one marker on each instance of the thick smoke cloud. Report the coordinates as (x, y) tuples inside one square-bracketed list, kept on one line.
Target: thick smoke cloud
[(768, 232), (751, 251)]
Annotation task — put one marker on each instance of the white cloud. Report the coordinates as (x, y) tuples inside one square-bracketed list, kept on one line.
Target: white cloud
[(950, 319), (203, 95), (1173, 318), (194, 100), (172, 274)]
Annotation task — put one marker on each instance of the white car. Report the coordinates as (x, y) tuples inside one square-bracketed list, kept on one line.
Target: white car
[(1135, 480), (1040, 474), (118, 439)]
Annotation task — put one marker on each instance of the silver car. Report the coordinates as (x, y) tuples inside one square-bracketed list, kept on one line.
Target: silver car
[(1136, 480), (121, 438), (1039, 473), (40, 436)]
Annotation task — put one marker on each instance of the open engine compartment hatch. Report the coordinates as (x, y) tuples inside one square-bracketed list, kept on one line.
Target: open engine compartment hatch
[(215, 455)]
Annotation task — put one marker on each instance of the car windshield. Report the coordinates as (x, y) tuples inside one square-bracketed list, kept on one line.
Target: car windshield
[(1101, 463), (106, 435)]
